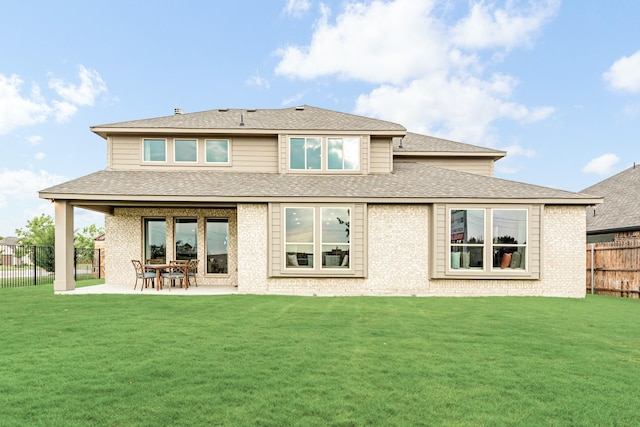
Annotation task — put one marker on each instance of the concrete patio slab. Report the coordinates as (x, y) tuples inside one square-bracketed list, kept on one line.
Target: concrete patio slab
[(128, 290)]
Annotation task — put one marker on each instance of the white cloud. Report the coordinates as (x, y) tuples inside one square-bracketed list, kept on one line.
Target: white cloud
[(487, 26), (34, 140), (25, 184), (294, 99), (296, 7), (84, 94), (258, 81), (18, 110), (427, 70), (40, 155), (518, 150), (624, 74), (602, 165), (15, 109)]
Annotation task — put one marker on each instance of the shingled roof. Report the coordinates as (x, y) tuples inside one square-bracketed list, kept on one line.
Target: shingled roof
[(303, 118), (409, 183), (621, 207), (416, 143)]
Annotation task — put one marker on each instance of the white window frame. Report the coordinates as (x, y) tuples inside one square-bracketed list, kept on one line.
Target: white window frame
[(488, 270), (143, 146), (324, 153), (317, 244), (206, 141), (175, 150)]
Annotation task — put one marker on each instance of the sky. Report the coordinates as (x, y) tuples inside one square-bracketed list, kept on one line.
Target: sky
[(555, 84)]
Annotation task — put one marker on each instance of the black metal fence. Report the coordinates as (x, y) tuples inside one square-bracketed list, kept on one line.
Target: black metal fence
[(22, 265)]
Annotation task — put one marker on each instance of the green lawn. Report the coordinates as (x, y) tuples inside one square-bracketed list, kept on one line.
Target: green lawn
[(145, 360)]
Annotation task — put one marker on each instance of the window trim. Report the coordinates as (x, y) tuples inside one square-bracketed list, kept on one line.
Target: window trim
[(324, 153), (228, 162), (175, 158), (206, 246), (142, 146), (318, 270), (488, 271)]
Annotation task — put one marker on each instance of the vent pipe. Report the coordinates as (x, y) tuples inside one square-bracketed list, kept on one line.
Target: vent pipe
[(177, 111), (241, 120)]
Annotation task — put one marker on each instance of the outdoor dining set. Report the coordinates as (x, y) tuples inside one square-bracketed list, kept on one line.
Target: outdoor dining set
[(154, 272)]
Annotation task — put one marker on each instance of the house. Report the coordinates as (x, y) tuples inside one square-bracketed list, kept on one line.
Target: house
[(10, 252), (618, 217), (309, 201)]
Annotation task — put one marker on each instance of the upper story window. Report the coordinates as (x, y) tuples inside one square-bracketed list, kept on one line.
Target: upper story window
[(488, 239), (154, 150), (185, 150), (305, 153), (329, 154), (343, 153), (217, 150)]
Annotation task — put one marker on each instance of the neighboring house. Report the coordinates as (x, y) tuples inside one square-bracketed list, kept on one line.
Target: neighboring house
[(618, 217), (8, 252), (309, 201)]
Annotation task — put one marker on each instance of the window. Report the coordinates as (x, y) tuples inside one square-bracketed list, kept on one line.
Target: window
[(317, 238), (185, 150), (305, 153), (155, 239), (186, 238), (343, 153), (217, 151), (504, 249), (217, 232), (154, 150)]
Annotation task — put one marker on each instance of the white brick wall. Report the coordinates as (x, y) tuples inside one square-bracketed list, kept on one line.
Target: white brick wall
[(398, 254)]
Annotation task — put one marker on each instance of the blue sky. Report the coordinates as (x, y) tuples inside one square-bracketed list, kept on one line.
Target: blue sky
[(555, 84)]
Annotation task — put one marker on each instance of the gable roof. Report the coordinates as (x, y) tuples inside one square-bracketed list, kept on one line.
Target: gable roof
[(408, 183), (303, 118), (415, 143), (621, 207)]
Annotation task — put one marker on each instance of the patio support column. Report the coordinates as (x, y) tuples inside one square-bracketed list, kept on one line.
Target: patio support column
[(64, 279)]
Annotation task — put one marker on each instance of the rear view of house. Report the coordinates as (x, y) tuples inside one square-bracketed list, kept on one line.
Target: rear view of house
[(308, 201)]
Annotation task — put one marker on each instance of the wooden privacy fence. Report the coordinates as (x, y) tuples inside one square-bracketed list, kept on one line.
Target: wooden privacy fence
[(613, 268)]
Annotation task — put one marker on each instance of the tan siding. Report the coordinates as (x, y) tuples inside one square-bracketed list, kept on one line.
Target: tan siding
[(365, 150), (248, 154), (380, 155), (476, 166)]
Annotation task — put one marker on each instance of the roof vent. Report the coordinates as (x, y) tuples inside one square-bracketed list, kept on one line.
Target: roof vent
[(223, 109), (177, 111), (241, 120), (251, 110), (300, 108)]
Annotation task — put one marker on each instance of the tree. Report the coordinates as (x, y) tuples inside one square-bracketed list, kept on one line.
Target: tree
[(85, 242), (39, 232)]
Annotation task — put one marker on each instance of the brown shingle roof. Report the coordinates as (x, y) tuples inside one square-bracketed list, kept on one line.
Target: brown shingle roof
[(621, 207), (410, 182), (302, 118)]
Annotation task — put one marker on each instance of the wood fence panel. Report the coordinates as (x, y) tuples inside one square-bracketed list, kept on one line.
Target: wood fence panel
[(614, 268)]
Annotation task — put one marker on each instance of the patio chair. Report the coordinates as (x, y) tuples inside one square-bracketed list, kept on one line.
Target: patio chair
[(176, 271), (193, 270), (146, 276)]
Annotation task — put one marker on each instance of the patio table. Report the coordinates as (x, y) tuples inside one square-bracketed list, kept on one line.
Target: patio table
[(159, 268)]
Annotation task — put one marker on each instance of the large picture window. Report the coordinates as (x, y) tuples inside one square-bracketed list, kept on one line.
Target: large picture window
[(488, 239), (317, 238), (217, 233), (154, 150), (155, 239)]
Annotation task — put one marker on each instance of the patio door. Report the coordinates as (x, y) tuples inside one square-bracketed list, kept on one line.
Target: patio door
[(155, 238)]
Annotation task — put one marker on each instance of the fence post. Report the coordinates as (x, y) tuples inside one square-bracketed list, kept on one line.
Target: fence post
[(593, 245), (35, 265)]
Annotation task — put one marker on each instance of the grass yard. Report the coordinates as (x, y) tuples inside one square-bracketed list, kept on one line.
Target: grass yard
[(237, 360)]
